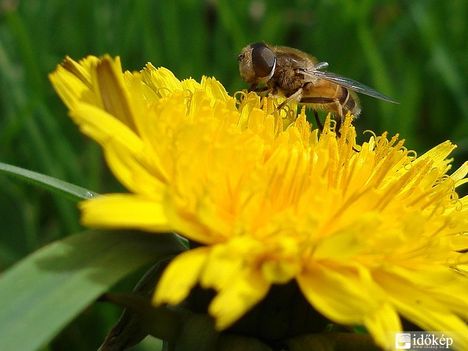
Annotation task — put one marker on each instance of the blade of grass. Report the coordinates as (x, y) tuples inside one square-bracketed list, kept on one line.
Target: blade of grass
[(36, 139), (442, 59), (378, 69), (71, 191)]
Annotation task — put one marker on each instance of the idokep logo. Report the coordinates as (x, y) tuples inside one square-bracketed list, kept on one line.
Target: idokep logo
[(422, 341), (403, 341)]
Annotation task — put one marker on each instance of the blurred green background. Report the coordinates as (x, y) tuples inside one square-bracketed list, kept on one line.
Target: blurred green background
[(414, 51)]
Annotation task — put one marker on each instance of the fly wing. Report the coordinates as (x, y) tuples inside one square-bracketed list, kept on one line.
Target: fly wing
[(349, 84)]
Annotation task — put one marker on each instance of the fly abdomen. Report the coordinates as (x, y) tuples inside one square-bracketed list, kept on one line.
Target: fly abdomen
[(349, 102)]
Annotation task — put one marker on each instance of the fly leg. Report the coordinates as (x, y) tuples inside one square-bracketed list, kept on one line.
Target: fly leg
[(256, 89), (340, 120), (295, 96), (318, 121), (320, 101)]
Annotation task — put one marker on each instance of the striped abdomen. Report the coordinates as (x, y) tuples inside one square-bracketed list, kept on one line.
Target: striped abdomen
[(331, 97)]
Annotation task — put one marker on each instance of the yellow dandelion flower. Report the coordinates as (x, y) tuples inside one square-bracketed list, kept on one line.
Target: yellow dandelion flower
[(369, 232)]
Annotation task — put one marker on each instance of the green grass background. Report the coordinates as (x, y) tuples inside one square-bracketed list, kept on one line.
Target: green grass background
[(415, 51)]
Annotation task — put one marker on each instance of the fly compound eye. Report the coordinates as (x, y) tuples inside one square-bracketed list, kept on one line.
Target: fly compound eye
[(263, 60)]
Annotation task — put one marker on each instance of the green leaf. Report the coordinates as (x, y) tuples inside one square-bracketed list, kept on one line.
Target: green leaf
[(45, 291), (73, 192)]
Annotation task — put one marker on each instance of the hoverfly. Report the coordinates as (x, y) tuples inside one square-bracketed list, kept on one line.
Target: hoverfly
[(299, 76)]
